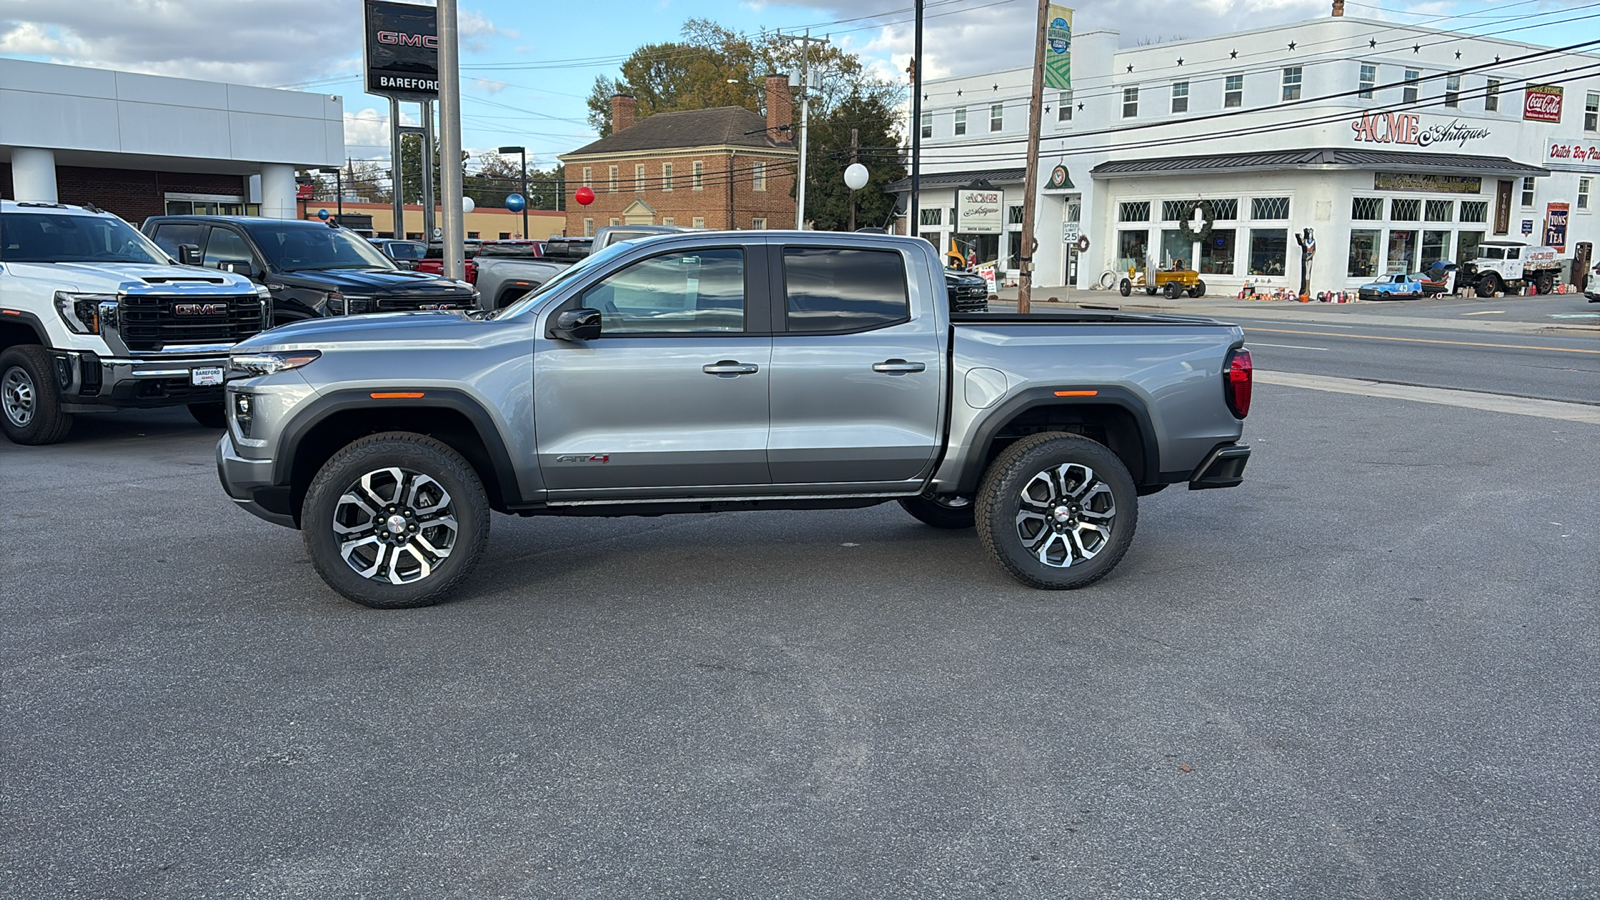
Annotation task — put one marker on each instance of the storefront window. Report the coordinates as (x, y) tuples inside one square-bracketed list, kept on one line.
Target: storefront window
[(1216, 252), (1405, 210), (1474, 210), (1269, 248), (1269, 208), (1363, 254), (1402, 254), (1222, 210), (1366, 209), (1174, 247), (1435, 246), (1467, 246), (1133, 247), (1441, 210), (1136, 211)]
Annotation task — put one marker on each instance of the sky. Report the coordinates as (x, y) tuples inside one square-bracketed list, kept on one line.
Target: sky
[(528, 68)]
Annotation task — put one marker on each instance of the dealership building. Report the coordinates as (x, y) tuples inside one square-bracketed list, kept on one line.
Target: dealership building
[(1388, 147), (143, 145)]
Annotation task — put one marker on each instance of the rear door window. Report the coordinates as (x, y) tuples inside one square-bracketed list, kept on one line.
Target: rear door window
[(834, 289)]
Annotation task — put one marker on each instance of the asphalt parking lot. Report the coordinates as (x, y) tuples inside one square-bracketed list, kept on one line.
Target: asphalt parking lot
[(1367, 672)]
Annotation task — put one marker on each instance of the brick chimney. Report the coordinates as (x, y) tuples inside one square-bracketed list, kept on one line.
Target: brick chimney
[(780, 108), (623, 107), (1338, 7)]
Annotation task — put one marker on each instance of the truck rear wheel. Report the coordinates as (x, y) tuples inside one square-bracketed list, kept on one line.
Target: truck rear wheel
[(932, 511), (395, 520), (1058, 511), (30, 402)]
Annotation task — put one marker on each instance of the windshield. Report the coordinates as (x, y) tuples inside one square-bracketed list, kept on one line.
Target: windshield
[(52, 238), (565, 275), (295, 248)]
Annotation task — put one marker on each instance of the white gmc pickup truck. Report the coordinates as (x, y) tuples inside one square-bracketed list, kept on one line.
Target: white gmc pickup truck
[(95, 317)]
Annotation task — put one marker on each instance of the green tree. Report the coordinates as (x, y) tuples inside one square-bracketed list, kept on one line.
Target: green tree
[(828, 154)]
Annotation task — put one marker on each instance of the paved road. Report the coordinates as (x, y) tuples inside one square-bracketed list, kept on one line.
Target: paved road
[(1368, 672)]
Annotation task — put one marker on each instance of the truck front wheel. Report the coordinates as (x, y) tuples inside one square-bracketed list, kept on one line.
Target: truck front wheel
[(395, 520), (1058, 511), (30, 402)]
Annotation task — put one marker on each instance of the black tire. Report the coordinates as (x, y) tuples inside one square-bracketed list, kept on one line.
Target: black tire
[(209, 415), (1489, 285), (1150, 291), (1125, 287), (366, 470), (932, 512), (1199, 289), (1074, 471), (30, 400), (1172, 290), (1545, 283)]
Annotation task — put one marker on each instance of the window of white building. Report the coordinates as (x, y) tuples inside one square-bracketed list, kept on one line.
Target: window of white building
[(1584, 184), (1180, 96), (1130, 102), (1527, 191), (927, 125), (1591, 112), (1292, 78), (1409, 95), (1233, 92), (1440, 211), (997, 116), (1474, 210), (931, 215), (961, 121), (1064, 111), (1491, 96), (1369, 80), (1366, 209), (1452, 90), (1133, 211), (1409, 210)]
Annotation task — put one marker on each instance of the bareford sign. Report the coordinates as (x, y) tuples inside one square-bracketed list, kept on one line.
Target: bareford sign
[(402, 50)]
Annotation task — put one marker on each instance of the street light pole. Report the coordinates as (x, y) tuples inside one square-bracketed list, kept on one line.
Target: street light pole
[(522, 152), (455, 233)]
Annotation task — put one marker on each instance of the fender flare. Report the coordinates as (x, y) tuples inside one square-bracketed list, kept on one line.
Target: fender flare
[(1033, 398)]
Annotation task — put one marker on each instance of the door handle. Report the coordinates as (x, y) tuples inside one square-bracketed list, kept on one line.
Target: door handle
[(898, 367), (730, 367)]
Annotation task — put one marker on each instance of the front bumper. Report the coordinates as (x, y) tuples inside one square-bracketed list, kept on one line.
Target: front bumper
[(90, 382), (249, 483)]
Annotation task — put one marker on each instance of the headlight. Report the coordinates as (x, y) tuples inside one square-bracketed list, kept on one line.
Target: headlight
[(253, 364), (81, 312)]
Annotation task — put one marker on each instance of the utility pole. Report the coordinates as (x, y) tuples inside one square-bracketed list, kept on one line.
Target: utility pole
[(455, 233), (805, 109), (913, 219), (854, 147), (1030, 185)]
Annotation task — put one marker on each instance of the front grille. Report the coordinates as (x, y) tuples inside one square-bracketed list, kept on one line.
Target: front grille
[(403, 304), (151, 322)]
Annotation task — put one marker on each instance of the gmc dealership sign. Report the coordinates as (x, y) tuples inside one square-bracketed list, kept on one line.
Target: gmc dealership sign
[(402, 50)]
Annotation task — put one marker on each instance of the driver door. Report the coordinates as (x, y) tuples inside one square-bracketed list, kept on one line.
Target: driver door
[(671, 399)]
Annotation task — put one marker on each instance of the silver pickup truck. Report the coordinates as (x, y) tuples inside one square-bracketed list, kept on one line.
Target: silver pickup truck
[(726, 371)]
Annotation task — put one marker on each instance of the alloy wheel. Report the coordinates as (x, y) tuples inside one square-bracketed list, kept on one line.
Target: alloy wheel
[(17, 396), (1066, 515), (395, 525)]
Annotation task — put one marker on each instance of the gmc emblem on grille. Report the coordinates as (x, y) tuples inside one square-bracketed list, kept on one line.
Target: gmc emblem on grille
[(199, 309)]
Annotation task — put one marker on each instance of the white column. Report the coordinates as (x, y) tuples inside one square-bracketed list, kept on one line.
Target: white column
[(277, 192), (33, 175)]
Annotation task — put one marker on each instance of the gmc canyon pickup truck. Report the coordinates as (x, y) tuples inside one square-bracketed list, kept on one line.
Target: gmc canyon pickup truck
[(726, 371), (94, 317)]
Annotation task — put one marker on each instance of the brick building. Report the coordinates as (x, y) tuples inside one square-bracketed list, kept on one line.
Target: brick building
[(722, 168)]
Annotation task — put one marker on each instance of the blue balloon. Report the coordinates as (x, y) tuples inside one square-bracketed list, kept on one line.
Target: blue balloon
[(516, 203), (322, 214)]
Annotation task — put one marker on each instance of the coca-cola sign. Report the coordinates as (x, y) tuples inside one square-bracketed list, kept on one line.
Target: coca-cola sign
[(1541, 103)]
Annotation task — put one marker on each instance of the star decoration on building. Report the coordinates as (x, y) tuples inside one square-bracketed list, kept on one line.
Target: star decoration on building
[(924, 98), (1130, 67), (958, 93), (1372, 43), (1458, 54), (1291, 45), (997, 87), (1416, 48), (1180, 60), (1080, 107), (1497, 59)]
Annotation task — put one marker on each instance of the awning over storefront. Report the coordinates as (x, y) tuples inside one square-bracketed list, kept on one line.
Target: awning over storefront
[(960, 179), (1323, 158)]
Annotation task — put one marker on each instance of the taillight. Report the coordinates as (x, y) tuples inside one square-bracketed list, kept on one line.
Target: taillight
[(1237, 376)]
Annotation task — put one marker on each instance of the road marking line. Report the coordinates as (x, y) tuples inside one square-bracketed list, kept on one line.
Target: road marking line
[(1287, 346), (1521, 406), (1379, 337), (1486, 312)]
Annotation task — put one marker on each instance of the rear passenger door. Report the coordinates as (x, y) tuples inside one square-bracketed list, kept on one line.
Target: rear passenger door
[(856, 375)]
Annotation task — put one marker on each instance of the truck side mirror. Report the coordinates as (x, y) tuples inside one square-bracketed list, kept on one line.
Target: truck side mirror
[(576, 325), (188, 254), (246, 269)]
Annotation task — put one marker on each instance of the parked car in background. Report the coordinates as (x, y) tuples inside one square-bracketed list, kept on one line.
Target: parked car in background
[(405, 254), (310, 269), (968, 292), (95, 317), (1398, 286), (432, 262)]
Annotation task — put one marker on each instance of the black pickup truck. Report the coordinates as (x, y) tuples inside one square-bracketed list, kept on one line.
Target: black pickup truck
[(310, 269)]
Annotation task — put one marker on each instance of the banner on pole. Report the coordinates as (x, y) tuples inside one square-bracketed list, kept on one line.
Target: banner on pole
[(1058, 49)]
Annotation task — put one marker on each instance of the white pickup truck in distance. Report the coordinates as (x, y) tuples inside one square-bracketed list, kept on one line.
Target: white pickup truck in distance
[(95, 317), (727, 370)]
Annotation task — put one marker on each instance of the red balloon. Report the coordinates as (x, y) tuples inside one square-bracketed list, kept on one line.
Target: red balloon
[(584, 196)]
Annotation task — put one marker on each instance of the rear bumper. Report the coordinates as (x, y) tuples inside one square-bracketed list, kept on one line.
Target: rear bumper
[(249, 483), (1223, 467)]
